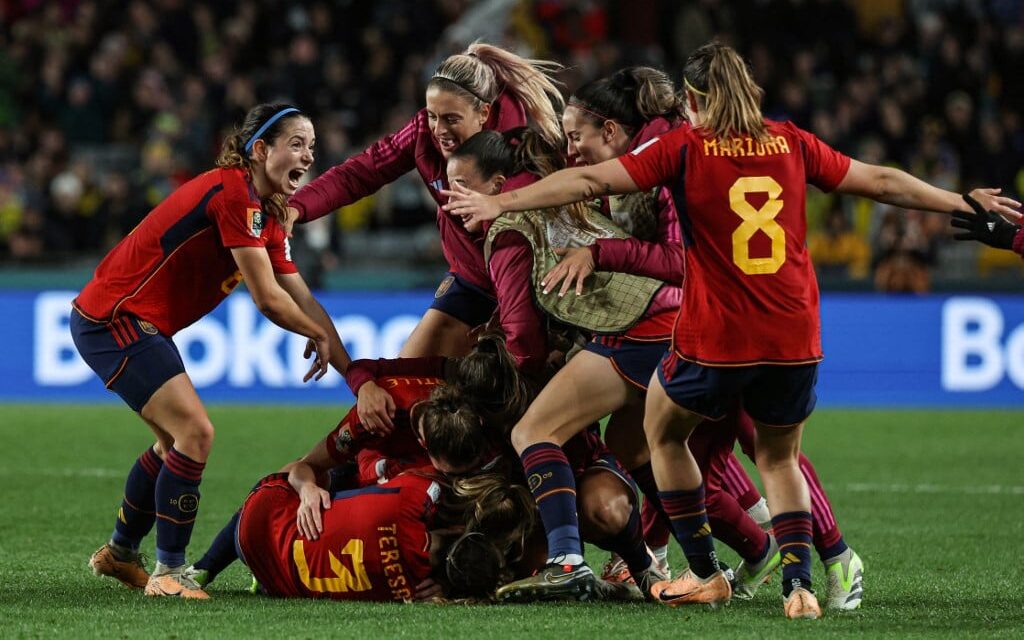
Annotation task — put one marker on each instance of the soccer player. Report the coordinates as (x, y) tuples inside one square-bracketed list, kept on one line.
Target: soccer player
[(749, 327), (605, 119), (485, 87), (988, 227), (375, 543), (608, 376), (186, 256)]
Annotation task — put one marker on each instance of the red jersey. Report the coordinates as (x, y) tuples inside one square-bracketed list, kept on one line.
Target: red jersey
[(385, 457), (750, 295), (374, 546), (411, 147), (176, 266)]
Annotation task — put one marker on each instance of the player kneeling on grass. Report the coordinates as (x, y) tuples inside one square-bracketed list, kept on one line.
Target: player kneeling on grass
[(186, 256)]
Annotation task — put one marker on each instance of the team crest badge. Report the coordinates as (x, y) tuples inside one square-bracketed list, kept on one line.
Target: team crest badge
[(147, 327), (443, 288), (254, 221)]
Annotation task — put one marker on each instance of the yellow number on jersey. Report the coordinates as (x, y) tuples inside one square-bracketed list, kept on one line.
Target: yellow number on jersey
[(755, 220), (343, 579)]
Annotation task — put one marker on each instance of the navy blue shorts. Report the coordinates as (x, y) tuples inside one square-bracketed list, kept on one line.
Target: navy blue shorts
[(131, 357), (636, 362), (463, 301), (775, 395)]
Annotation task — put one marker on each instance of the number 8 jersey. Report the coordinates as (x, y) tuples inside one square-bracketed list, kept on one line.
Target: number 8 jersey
[(749, 296)]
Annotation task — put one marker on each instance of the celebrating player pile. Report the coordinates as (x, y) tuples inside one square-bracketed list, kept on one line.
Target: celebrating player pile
[(421, 492)]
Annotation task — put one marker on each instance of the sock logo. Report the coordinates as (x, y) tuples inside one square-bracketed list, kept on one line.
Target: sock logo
[(537, 479), (790, 558), (705, 530), (187, 502), (120, 515)]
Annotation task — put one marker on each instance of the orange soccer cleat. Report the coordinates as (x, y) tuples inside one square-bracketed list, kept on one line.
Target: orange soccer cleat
[(131, 572), (689, 589), (801, 603)]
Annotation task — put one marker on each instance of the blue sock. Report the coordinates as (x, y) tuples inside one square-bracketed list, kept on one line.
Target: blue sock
[(629, 544), (793, 532), (551, 481), (222, 551), (835, 550), (177, 501), (689, 519), (137, 514)]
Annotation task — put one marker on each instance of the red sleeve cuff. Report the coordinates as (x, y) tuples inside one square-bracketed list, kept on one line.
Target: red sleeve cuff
[(595, 254), (358, 374), (1018, 242)]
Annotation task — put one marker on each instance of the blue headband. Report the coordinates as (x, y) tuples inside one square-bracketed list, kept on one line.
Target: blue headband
[(266, 125)]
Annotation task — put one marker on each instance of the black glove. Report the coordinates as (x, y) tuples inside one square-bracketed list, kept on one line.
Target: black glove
[(984, 226)]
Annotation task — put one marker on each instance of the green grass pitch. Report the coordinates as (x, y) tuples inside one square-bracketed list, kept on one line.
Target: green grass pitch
[(933, 502)]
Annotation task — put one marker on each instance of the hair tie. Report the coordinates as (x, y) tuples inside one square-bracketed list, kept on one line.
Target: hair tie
[(266, 125), (693, 88), (597, 115), (461, 86)]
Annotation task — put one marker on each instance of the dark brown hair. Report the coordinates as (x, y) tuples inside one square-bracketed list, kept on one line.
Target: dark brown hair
[(234, 155), (630, 96), (452, 429)]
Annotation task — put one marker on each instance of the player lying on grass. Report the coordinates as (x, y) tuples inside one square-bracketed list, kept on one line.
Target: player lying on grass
[(743, 182), (182, 260)]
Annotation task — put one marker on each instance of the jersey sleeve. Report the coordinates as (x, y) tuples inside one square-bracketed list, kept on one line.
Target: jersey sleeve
[(281, 253), (1018, 242), (656, 162), (511, 269), (362, 371), (239, 220), (825, 166), (359, 176), (662, 259)]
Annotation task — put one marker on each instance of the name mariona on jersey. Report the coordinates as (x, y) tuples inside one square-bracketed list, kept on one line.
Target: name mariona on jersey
[(745, 146)]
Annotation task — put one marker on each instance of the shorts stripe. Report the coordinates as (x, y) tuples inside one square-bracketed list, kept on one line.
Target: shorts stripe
[(117, 374)]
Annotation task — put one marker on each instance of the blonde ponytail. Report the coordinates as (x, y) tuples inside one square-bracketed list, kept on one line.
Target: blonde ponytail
[(718, 75), (483, 71)]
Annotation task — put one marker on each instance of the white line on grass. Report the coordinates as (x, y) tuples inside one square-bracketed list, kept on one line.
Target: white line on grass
[(989, 489)]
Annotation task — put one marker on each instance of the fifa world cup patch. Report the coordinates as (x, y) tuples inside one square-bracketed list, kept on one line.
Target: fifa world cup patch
[(443, 288), (254, 221)]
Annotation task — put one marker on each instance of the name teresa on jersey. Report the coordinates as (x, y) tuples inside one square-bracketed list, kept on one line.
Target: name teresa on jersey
[(745, 146)]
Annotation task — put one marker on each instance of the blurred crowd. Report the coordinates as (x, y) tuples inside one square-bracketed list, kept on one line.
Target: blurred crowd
[(106, 106)]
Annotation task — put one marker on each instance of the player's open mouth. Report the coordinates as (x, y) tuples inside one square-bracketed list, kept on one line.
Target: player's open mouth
[(447, 144), (294, 176)]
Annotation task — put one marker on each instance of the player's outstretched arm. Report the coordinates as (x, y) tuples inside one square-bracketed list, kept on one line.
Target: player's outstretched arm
[(987, 227), (296, 287), (900, 189), (561, 187), (278, 306)]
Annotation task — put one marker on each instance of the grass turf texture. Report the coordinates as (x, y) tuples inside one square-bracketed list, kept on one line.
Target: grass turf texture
[(932, 501)]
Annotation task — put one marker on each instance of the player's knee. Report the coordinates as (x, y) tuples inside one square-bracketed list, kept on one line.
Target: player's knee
[(525, 434), (604, 516), (197, 436)]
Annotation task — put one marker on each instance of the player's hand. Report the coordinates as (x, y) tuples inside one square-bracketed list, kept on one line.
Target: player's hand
[(990, 200), (291, 216), (574, 267), (427, 590), (320, 348), (984, 226), (470, 205), (307, 517), (375, 408)]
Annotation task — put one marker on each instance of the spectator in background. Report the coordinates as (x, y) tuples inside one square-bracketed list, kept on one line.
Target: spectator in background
[(904, 252), (837, 251)]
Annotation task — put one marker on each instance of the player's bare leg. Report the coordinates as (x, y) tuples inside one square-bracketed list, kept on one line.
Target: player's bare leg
[(778, 462), (438, 334), (681, 490)]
